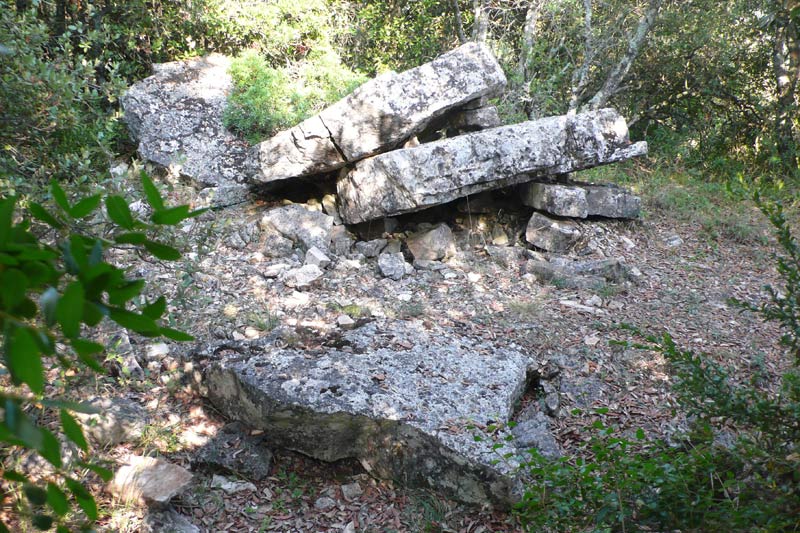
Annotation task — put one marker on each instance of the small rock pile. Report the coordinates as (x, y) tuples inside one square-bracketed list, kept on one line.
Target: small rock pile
[(397, 398)]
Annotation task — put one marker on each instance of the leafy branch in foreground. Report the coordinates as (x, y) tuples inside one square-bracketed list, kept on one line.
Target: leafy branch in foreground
[(51, 294)]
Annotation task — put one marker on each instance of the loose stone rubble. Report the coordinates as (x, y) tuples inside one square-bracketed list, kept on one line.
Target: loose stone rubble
[(379, 115), (397, 396), (411, 179)]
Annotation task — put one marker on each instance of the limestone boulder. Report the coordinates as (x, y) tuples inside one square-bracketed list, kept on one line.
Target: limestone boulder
[(299, 224), (176, 117), (553, 235), (400, 397), (378, 116), (411, 179), (581, 200), (432, 244), (149, 480)]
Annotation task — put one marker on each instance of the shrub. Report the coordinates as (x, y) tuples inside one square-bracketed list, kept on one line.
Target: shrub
[(266, 99), (51, 295)]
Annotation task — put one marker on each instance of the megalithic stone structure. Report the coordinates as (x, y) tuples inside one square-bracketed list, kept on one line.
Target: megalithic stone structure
[(379, 115), (411, 179)]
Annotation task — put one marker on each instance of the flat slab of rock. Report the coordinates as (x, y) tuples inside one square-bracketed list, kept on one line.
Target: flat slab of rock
[(379, 115), (233, 449), (581, 201), (176, 116), (298, 224), (149, 480), (411, 179), (397, 396)]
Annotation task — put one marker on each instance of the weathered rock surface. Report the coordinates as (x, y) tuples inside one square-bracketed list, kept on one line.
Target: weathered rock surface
[(176, 116), (234, 450), (397, 396), (535, 433), (301, 277), (149, 480), (379, 115), (117, 420), (556, 236), (394, 265), (432, 244), (410, 179), (579, 274), (167, 521), (581, 201), (299, 224)]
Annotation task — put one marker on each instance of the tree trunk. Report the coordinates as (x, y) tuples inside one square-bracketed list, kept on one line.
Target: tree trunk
[(786, 68), (480, 28), (528, 39), (462, 37), (618, 73)]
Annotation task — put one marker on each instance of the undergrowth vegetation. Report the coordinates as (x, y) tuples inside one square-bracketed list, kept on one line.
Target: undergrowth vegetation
[(701, 481)]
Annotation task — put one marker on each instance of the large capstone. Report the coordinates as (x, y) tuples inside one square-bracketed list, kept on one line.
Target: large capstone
[(379, 115), (176, 116), (399, 397), (411, 179)]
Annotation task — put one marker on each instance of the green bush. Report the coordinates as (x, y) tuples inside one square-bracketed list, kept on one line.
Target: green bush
[(614, 483), (266, 99), (52, 292)]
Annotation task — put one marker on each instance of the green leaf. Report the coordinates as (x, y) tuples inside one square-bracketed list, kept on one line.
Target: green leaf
[(14, 476), (640, 434), (42, 522), (73, 431), (162, 251), (13, 285), (6, 218), (175, 335), (174, 215), (156, 309), (59, 196), (118, 211), (130, 238), (40, 213), (78, 407), (50, 449), (93, 313), (69, 309), (133, 321), (123, 293), (151, 192), (85, 206), (104, 473), (47, 302), (86, 351), (57, 500), (36, 495), (24, 361), (85, 500)]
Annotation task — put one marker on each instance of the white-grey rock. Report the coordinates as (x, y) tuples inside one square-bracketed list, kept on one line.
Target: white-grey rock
[(407, 180), (556, 199), (394, 266), (398, 398), (149, 480), (301, 277), (117, 420), (157, 351), (301, 225), (552, 235), (535, 433), (230, 486), (475, 119), (176, 116), (324, 503), (611, 201), (432, 244), (275, 244), (345, 322), (316, 257), (379, 115), (371, 248), (275, 270), (673, 241), (352, 491), (329, 208)]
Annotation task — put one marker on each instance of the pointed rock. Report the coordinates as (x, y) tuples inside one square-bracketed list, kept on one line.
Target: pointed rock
[(556, 236)]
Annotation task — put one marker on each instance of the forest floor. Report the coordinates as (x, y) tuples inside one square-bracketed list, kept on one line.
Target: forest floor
[(695, 248)]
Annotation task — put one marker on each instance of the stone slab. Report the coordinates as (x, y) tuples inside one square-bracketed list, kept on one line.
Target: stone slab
[(378, 116), (176, 116), (553, 235), (398, 396), (581, 200), (411, 179)]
